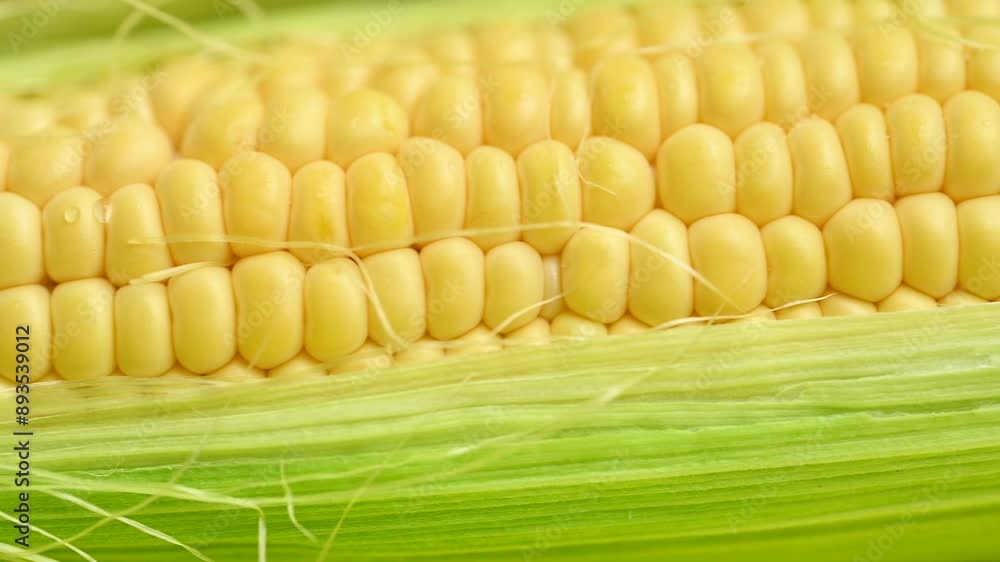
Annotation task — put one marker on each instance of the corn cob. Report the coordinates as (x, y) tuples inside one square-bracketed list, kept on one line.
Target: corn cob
[(611, 173)]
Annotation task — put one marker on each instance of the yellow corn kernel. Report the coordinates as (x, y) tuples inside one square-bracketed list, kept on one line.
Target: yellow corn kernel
[(293, 129), (625, 104), (501, 42), (537, 332), (74, 235), (173, 98), (804, 311), (627, 325), (20, 242), (942, 64), (336, 310), (552, 287), (822, 181), (886, 62), (24, 118), (363, 122), (569, 114), (82, 110), (796, 260), (405, 77), (865, 141), (477, 341), (972, 120), (133, 152), (764, 177), (721, 20), (256, 196), (4, 160), (843, 305), (677, 82), (660, 283), (454, 275), (696, 173), (831, 14), (515, 108), (494, 200), (831, 75), (732, 88), (905, 298), (864, 249), (451, 48), (871, 11), (618, 184), (555, 49), (397, 309), (237, 371), (191, 206), (451, 111), (776, 16), (318, 212), (601, 32), (269, 308), (143, 344), (223, 131), (982, 65), (595, 273), (960, 298), (435, 178), (786, 100), (919, 144), (666, 24), (974, 8), (369, 358), (134, 244), (300, 367), (929, 227), (27, 306), (289, 67), (727, 250), (569, 325), (515, 284), (979, 246), (83, 321), (203, 312), (421, 351), (378, 205), (550, 192), (42, 166)]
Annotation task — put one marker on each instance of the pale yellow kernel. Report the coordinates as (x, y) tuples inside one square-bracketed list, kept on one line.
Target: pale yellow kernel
[(552, 287), (476, 341), (831, 76), (960, 298), (293, 129), (290, 67), (919, 144), (347, 70), (929, 227), (661, 288), (732, 87), (378, 205), (237, 371), (24, 118), (134, 244), (569, 112), (223, 131), (300, 367), (451, 48), (82, 110), (174, 96), (599, 32), (494, 199), (822, 180), (363, 122), (550, 192), (886, 58), (567, 325), (777, 16), (28, 306), (336, 309), (397, 309), (537, 332), (864, 249), (972, 170), (500, 41), (20, 242), (983, 64), (721, 20), (74, 235), (843, 305), (134, 151), (4, 161), (423, 351), (974, 8), (130, 97), (677, 85), (628, 325), (870, 11), (369, 358), (203, 313), (785, 96), (796, 260), (764, 179), (41, 166), (595, 274), (727, 250), (618, 183), (515, 107), (84, 323), (435, 178), (555, 49), (905, 298), (666, 24), (256, 196), (191, 208), (318, 212), (942, 63), (696, 173), (804, 311), (405, 77), (625, 104), (979, 246), (143, 343), (454, 279), (515, 285), (270, 315), (451, 110), (865, 140)]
